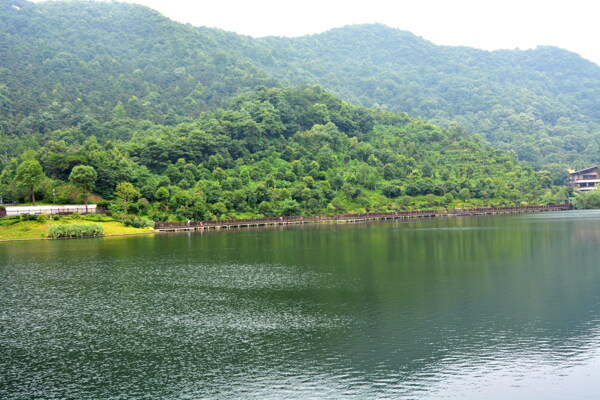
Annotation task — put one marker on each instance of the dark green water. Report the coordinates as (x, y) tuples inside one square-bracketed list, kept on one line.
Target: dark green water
[(462, 308)]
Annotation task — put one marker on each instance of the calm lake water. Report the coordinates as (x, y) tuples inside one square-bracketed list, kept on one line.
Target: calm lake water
[(504, 307)]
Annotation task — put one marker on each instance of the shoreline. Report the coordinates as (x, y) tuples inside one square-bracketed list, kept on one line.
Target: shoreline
[(69, 238), (171, 227), (350, 218)]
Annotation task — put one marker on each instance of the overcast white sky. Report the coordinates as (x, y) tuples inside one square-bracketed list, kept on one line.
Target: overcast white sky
[(486, 24)]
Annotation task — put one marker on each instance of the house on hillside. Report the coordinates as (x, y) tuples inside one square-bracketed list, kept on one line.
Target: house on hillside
[(585, 179)]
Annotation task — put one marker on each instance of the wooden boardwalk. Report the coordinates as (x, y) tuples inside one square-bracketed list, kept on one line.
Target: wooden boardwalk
[(343, 218)]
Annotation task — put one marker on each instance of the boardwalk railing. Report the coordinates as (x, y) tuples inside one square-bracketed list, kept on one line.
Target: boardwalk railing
[(356, 217)]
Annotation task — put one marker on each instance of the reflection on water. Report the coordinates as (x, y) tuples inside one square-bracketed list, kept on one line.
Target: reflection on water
[(460, 308)]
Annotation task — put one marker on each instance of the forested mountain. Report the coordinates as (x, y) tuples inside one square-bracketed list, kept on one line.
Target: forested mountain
[(543, 103), (277, 152), (185, 122), (63, 62)]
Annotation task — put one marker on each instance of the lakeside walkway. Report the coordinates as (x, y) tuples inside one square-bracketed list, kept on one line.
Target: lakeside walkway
[(343, 218)]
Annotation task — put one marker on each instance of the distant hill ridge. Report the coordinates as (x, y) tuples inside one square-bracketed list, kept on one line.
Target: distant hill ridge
[(543, 103)]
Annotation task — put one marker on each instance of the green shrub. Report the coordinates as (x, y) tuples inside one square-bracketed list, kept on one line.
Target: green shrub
[(28, 217), (96, 217), (43, 217), (75, 230), (133, 208), (137, 222), (587, 200)]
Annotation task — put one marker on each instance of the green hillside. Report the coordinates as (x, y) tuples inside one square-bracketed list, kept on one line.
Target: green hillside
[(542, 103), (72, 63), (277, 152), (66, 63), (184, 122)]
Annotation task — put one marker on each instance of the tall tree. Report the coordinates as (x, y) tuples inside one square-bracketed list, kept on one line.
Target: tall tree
[(84, 177), (127, 193), (29, 174)]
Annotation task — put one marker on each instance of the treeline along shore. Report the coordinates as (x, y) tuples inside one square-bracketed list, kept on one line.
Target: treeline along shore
[(216, 126), (239, 223)]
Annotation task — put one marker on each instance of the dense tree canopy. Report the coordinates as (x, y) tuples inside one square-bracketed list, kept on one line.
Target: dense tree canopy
[(198, 122), (285, 152), (541, 103), (29, 173), (84, 177), (64, 64)]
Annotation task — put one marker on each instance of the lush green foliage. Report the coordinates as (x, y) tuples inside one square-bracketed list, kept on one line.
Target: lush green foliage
[(75, 230), (84, 178), (66, 64), (66, 70), (587, 200), (541, 103), (137, 222), (290, 152), (178, 122), (28, 217), (7, 221), (27, 176), (90, 217), (126, 193)]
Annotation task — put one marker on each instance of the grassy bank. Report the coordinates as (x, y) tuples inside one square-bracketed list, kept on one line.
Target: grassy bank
[(11, 229)]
